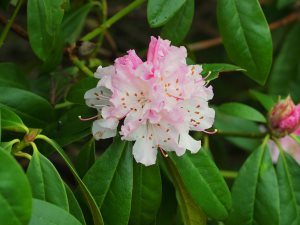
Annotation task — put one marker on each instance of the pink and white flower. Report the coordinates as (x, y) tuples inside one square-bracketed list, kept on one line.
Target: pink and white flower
[(160, 100)]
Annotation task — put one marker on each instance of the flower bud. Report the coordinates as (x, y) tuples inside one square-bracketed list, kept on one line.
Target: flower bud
[(284, 117)]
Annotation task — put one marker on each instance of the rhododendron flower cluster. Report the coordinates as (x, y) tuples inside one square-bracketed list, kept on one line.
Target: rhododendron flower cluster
[(159, 100)]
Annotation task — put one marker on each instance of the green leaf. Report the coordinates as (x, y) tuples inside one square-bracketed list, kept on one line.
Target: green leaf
[(74, 207), (34, 110), (237, 126), (285, 75), (283, 3), (15, 194), (71, 128), (204, 183), (12, 76), (44, 20), (160, 11), (73, 23), (11, 121), (246, 36), (97, 217), (110, 181), (44, 213), (146, 194), (190, 212), (77, 91), (255, 194), (86, 158), (179, 25), (213, 70), (7, 146), (266, 101), (242, 111), (288, 173), (46, 183)]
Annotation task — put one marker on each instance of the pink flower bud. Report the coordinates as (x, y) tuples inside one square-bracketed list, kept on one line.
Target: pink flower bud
[(284, 117)]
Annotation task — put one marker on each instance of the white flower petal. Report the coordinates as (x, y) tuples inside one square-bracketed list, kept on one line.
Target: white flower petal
[(187, 142), (144, 152), (105, 128), (104, 71)]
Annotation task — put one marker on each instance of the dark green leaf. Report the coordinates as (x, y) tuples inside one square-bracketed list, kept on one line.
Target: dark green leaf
[(15, 194), (11, 121), (110, 181), (283, 3), (12, 76), (97, 217), (246, 36), (242, 111), (160, 11), (179, 25), (74, 207), (288, 173), (73, 23), (46, 183), (85, 158), (212, 71), (204, 183), (255, 192), (71, 128), (44, 213), (33, 109), (146, 194), (77, 91), (191, 214), (285, 75), (266, 101), (44, 20), (237, 125)]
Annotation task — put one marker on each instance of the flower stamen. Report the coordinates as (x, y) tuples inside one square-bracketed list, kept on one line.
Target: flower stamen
[(87, 119)]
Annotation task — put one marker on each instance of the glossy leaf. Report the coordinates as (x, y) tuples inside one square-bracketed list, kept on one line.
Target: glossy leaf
[(204, 183), (285, 75), (44, 213), (77, 91), (46, 183), (242, 111), (33, 109), (266, 101), (73, 23), (12, 76), (237, 125), (85, 158), (190, 212), (212, 71), (70, 127), (179, 25), (288, 173), (110, 181), (97, 217), (255, 194), (160, 11), (15, 194), (44, 20), (246, 36), (74, 207), (11, 121), (146, 194)]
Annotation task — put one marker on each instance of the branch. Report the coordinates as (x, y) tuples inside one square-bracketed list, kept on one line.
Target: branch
[(217, 41)]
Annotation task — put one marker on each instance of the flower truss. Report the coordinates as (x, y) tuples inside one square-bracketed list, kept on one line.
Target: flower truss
[(160, 101)]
